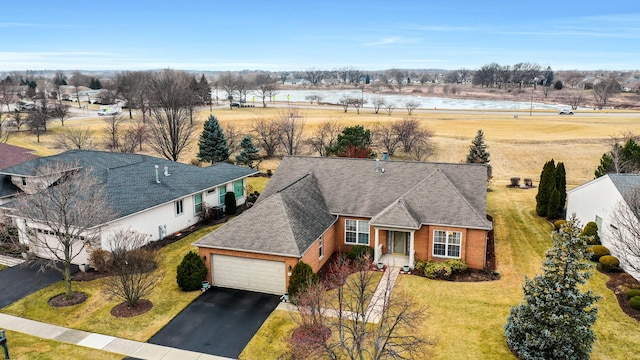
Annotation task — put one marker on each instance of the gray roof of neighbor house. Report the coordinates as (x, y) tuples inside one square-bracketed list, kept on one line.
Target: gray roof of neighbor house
[(286, 223), (400, 194), (9, 156), (625, 183), (130, 179)]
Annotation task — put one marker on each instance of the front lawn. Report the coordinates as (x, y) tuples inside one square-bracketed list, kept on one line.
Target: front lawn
[(94, 314), (23, 347), (466, 320)]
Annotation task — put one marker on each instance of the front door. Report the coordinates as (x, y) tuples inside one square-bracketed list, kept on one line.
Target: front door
[(399, 243)]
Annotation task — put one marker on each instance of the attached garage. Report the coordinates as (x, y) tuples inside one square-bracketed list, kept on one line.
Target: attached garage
[(265, 276)]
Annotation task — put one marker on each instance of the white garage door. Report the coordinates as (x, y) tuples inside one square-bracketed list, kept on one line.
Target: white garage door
[(248, 274)]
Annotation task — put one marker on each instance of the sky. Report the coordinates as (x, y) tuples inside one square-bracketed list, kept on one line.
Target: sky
[(214, 35)]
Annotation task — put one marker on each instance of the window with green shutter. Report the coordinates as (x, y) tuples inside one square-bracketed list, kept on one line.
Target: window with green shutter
[(238, 189), (222, 191)]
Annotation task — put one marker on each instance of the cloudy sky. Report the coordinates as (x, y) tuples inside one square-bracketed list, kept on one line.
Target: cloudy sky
[(298, 35)]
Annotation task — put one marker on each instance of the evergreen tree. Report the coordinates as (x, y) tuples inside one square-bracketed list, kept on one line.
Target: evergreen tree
[(212, 144), (191, 272), (620, 159), (354, 142), (554, 210), (302, 276), (230, 204), (248, 152), (478, 153), (548, 76), (545, 188), (95, 84), (554, 320), (561, 183)]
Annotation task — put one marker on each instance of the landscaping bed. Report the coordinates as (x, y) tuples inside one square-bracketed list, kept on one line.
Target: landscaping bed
[(618, 283)]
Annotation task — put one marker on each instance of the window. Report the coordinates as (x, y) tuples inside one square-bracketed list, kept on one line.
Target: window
[(320, 248), (222, 192), (197, 203), (179, 207), (238, 189), (447, 243), (599, 223), (356, 232)]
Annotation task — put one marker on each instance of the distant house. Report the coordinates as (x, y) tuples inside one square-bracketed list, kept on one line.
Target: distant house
[(297, 82), (313, 207), (330, 81), (149, 195), (598, 200), (9, 156)]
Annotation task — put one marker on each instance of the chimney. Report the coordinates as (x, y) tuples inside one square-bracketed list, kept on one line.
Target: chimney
[(157, 179), (166, 171)]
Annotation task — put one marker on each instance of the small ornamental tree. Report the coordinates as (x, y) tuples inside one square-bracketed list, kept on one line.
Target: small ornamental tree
[(301, 277), (554, 320), (545, 188), (191, 272), (478, 153), (590, 233), (212, 144), (248, 152), (230, 205)]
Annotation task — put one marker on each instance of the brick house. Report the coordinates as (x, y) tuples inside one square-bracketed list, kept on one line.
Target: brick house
[(314, 206)]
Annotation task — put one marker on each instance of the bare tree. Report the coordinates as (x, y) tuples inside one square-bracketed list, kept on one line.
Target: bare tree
[(233, 136), (135, 135), (132, 267), (170, 128), (60, 112), (411, 105), (357, 103), (575, 98), (357, 322), (4, 131), (292, 124), (412, 136), (389, 108), (114, 124), (625, 231), (385, 135), (604, 90), (399, 76), (267, 135), (265, 86), (378, 103), (344, 102), (229, 83), (38, 120), (325, 136), (78, 79), (59, 213), (75, 138)]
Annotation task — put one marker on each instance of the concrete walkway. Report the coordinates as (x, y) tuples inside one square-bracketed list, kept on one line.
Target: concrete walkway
[(10, 261), (374, 310), (112, 344)]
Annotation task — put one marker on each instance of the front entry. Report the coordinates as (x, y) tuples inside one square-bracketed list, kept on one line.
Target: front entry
[(399, 242)]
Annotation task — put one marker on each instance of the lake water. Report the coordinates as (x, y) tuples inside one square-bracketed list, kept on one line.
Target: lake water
[(426, 102)]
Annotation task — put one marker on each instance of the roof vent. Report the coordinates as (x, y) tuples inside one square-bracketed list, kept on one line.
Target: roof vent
[(166, 171), (157, 178)]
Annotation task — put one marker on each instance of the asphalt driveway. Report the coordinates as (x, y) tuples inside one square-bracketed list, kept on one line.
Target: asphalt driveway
[(219, 322), (21, 280)]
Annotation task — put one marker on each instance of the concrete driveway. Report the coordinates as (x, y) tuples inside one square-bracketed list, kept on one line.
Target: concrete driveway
[(21, 280), (219, 322)]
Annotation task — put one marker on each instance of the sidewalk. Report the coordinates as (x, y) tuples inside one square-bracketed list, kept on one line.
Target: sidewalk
[(112, 344), (10, 261)]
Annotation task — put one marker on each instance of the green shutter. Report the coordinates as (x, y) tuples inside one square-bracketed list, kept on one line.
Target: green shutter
[(238, 189)]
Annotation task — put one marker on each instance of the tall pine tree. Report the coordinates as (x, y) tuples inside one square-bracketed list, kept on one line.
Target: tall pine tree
[(212, 144), (248, 152), (561, 183), (545, 188), (554, 320), (478, 153)]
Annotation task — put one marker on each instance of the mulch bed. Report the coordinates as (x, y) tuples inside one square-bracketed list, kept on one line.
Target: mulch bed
[(60, 301), (88, 275), (618, 283), (125, 311)]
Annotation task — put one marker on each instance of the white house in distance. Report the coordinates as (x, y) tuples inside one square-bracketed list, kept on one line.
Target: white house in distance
[(149, 195), (597, 201)]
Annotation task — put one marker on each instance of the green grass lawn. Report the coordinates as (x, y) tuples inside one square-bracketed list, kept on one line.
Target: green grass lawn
[(2, 267), (466, 320), (94, 314), (26, 347)]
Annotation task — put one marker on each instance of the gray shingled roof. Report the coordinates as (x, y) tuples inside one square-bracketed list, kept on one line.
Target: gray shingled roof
[(435, 193), (625, 183), (130, 179), (285, 223)]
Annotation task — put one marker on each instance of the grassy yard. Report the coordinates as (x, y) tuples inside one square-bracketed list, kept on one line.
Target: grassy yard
[(24, 347), (465, 320), (94, 314)]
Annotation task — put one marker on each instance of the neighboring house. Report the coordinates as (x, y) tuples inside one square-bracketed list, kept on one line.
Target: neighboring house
[(315, 206), (9, 156), (598, 200), (149, 195), (296, 82)]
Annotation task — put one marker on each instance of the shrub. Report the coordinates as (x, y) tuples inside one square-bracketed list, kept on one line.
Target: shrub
[(590, 233), (457, 265), (632, 293), (359, 252), (101, 260), (420, 264), (301, 277), (191, 272), (230, 206), (558, 224), (598, 251), (437, 270), (608, 263), (634, 302)]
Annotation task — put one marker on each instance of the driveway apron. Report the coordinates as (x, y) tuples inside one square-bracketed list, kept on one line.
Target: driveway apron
[(21, 280), (219, 322)]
